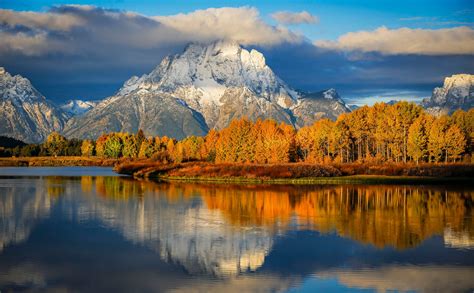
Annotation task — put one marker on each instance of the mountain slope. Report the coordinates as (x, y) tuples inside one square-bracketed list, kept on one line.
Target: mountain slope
[(314, 106), (206, 86), (25, 114), (457, 93), (155, 115)]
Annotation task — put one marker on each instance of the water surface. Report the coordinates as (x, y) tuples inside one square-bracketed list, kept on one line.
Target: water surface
[(99, 233)]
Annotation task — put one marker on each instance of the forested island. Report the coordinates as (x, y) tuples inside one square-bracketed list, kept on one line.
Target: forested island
[(400, 139)]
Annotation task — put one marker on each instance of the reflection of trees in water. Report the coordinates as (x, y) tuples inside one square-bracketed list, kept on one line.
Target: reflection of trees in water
[(398, 216)]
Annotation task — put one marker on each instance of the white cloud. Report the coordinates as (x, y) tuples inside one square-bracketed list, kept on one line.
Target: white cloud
[(448, 41), (242, 25), (287, 17), (29, 45), (47, 20)]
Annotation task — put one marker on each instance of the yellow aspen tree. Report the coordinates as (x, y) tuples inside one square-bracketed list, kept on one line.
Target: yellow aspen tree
[(417, 140), (455, 143), (87, 148), (436, 138)]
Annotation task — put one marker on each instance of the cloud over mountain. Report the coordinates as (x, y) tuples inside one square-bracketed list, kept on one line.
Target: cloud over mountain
[(448, 41), (70, 29), (220, 23)]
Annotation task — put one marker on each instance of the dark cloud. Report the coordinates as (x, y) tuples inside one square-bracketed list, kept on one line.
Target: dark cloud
[(309, 68)]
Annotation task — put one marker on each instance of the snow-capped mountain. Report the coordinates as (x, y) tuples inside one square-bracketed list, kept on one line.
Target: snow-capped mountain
[(77, 107), (457, 93), (25, 113), (206, 86)]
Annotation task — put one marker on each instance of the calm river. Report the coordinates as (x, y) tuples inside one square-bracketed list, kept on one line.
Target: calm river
[(84, 229)]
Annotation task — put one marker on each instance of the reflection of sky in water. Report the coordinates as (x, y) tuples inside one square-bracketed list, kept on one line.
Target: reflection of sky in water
[(97, 234)]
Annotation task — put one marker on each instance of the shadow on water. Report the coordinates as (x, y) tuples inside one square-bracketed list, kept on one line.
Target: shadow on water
[(56, 231)]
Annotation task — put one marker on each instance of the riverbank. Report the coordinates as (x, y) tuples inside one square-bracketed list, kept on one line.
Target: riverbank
[(296, 173), (57, 162)]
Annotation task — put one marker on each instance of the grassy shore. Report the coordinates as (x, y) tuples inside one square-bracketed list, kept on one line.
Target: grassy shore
[(56, 162), (297, 173)]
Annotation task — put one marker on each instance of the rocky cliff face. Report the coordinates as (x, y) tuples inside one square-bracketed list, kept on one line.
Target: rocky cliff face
[(457, 93), (205, 87), (25, 113), (314, 106)]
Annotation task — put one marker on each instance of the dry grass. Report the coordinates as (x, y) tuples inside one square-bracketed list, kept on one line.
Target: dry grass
[(56, 161), (209, 170), (289, 171), (253, 171), (409, 169)]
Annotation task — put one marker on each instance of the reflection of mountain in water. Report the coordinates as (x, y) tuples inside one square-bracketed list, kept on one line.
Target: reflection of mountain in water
[(180, 227), (21, 208)]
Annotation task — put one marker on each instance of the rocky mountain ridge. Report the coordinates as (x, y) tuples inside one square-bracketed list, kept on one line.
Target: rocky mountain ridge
[(457, 92), (25, 113)]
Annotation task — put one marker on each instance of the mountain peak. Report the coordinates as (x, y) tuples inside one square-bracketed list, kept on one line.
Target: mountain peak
[(209, 69), (459, 81), (77, 107), (331, 94), (457, 93), (17, 88), (25, 113)]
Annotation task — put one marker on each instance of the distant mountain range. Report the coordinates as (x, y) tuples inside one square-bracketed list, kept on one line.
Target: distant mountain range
[(204, 87)]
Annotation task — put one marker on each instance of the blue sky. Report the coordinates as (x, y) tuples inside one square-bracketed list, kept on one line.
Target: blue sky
[(336, 17), (309, 56)]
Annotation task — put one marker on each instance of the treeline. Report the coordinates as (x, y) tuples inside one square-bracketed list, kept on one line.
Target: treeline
[(55, 145), (402, 132)]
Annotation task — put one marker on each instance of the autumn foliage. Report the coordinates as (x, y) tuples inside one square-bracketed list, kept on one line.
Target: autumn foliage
[(383, 133)]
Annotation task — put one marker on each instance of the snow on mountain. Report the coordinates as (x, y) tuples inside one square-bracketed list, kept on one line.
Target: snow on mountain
[(25, 113), (211, 79), (77, 107), (206, 86), (314, 106), (457, 93)]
